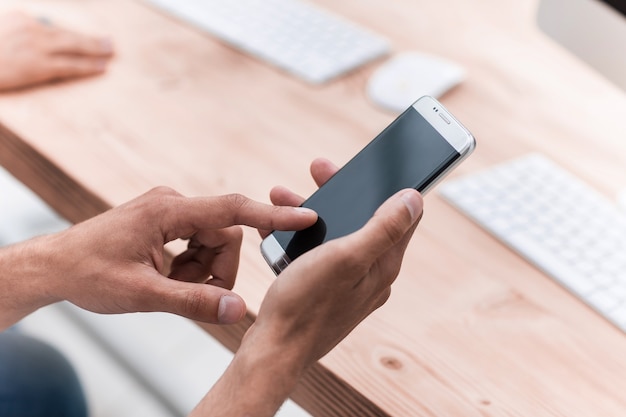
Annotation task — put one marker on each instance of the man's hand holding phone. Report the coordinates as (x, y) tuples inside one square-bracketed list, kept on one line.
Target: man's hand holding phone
[(326, 292), (416, 150), (314, 304), (333, 274)]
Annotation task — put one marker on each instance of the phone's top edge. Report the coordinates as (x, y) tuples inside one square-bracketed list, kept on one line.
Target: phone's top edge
[(459, 137)]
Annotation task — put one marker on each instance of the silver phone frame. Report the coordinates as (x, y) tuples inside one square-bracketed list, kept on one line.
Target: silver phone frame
[(444, 123)]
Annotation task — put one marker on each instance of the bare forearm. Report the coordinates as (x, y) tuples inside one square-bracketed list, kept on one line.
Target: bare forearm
[(25, 279), (258, 381)]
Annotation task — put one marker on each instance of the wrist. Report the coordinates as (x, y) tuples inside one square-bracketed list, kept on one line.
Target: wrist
[(259, 379), (261, 348), (26, 278)]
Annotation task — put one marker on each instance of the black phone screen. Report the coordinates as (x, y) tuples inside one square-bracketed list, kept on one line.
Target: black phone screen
[(409, 153)]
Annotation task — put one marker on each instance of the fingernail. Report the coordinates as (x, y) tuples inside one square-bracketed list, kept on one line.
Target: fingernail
[(304, 210), (412, 202), (229, 310)]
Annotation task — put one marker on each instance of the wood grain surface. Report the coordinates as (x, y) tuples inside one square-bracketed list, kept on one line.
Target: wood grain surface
[(471, 329)]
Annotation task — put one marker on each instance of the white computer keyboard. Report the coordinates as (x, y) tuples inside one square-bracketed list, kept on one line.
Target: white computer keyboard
[(294, 35), (557, 222)]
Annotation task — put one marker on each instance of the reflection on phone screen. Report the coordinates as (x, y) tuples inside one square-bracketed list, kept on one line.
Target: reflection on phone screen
[(409, 153)]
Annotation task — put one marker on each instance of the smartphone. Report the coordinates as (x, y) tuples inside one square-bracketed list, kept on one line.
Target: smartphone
[(416, 151)]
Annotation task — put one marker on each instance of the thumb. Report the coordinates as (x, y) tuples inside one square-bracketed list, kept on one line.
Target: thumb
[(390, 223), (196, 301)]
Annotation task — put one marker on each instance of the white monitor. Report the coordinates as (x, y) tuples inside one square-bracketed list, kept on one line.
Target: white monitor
[(594, 30)]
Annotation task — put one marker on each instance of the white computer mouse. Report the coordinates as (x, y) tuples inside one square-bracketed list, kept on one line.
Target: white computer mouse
[(397, 83)]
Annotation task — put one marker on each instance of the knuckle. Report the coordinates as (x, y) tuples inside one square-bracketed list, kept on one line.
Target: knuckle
[(235, 233), (194, 303), (163, 191), (225, 284), (162, 196), (275, 217), (158, 202), (236, 200), (236, 203), (382, 298), (392, 230)]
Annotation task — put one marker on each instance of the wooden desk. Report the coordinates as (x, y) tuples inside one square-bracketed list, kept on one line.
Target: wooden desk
[(471, 329)]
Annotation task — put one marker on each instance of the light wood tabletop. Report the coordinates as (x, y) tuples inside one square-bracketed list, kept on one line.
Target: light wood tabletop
[(471, 329)]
